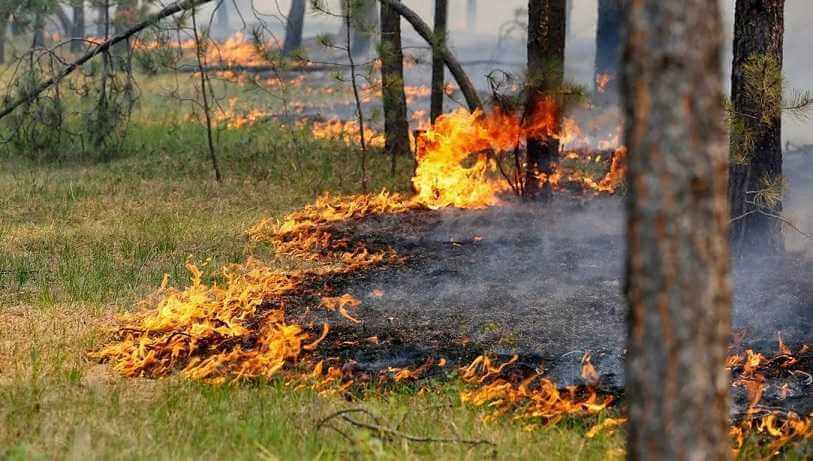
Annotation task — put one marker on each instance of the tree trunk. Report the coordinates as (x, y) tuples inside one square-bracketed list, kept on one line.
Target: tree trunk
[(3, 35), (78, 34), (471, 15), (102, 18), (677, 267), (454, 66), (293, 27), (546, 63), (396, 127), (756, 140), (608, 51), (364, 14), (39, 30), (438, 68)]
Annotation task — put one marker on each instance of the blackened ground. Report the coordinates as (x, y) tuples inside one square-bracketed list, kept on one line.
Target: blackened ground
[(542, 281)]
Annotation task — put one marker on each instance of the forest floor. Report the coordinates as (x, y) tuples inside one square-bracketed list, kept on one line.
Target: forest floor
[(83, 239)]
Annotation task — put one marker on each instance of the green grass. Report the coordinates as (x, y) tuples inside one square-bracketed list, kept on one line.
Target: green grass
[(82, 240)]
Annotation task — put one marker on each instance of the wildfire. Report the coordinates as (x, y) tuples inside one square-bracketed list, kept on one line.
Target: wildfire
[(461, 159)]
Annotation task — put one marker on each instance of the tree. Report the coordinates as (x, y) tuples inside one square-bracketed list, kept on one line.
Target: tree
[(78, 33), (546, 63), (755, 184), (363, 16), (438, 73), (608, 50), (677, 267), (293, 27), (396, 127)]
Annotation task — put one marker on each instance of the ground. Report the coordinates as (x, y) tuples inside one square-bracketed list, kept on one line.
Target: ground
[(85, 237), (82, 241)]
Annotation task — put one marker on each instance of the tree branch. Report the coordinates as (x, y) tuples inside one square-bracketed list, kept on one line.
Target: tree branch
[(103, 47), (423, 29)]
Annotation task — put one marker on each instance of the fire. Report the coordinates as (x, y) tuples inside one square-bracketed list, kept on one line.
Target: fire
[(602, 81), (462, 158), (535, 400)]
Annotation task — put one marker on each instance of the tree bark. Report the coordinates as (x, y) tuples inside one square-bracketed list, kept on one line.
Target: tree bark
[(677, 266), (293, 27), (396, 127), (78, 34), (756, 142), (608, 51), (546, 63), (438, 69)]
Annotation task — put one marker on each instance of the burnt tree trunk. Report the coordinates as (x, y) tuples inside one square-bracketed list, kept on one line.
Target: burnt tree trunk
[(396, 127), (756, 140), (438, 67), (78, 33), (293, 27), (677, 266), (608, 50), (364, 15), (546, 63)]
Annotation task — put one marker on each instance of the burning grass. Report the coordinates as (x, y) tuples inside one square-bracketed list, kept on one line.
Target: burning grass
[(239, 329)]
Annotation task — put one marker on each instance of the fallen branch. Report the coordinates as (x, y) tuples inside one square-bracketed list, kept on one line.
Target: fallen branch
[(101, 48), (455, 68), (385, 431)]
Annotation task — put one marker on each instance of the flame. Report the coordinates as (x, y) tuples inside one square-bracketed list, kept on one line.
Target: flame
[(534, 399), (602, 81)]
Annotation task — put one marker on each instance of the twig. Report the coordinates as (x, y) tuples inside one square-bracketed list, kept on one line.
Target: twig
[(394, 433), (103, 47), (205, 97)]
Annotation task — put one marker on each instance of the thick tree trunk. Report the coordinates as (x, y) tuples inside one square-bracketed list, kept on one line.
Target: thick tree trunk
[(546, 63), (293, 27), (396, 127), (438, 68), (677, 285), (364, 14), (78, 34), (756, 141), (608, 50)]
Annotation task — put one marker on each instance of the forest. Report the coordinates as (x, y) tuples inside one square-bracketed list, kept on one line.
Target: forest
[(406, 229)]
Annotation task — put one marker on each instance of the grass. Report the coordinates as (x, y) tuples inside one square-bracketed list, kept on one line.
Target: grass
[(82, 240)]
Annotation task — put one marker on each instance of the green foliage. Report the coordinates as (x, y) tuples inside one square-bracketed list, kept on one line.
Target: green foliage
[(765, 87)]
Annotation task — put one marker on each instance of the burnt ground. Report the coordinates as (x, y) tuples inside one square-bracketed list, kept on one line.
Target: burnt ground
[(544, 282)]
